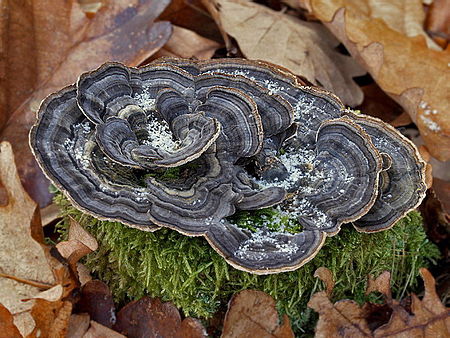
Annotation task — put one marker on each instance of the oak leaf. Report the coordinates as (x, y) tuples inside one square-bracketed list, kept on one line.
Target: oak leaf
[(96, 300), (47, 44), (23, 256), (35, 287), (252, 313), (307, 49), (427, 317), (403, 66), (149, 317), (187, 44)]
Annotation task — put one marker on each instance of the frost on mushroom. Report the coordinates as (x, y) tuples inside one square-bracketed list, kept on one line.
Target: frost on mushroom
[(197, 145)]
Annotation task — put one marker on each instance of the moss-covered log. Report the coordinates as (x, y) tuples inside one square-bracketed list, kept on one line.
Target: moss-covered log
[(188, 272)]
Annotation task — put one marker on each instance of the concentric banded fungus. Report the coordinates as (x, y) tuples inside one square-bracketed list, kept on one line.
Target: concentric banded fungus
[(192, 145), (402, 184)]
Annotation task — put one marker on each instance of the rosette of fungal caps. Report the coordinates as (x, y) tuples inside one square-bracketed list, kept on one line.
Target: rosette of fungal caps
[(237, 151)]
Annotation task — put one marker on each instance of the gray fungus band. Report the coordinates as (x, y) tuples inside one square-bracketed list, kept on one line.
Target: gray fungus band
[(238, 135)]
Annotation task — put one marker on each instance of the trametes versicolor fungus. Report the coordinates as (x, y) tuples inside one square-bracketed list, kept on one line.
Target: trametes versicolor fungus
[(234, 135)]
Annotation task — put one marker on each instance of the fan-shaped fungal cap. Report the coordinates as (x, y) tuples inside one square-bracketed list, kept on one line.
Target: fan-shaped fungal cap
[(402, 183), (185, 144), (64, 145), (264, 251)]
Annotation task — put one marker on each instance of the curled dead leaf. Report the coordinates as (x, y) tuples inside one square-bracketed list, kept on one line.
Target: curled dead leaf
[(427, 317), (27, 263), (7, 327), (79, 244), (401, 65), (380, 284), (326, 276), (63, 43), (187, 44), (252, 313), (307, 49), (156, 319), (50, 214), (96, 300), (23, 254)]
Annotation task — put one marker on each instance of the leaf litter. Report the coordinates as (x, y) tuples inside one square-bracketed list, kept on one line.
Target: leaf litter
[(305, 48), (63, 42), (85, 35), (400, 61), (423, 318)]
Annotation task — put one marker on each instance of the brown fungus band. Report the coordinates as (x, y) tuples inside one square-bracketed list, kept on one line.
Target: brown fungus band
[(189, 145)]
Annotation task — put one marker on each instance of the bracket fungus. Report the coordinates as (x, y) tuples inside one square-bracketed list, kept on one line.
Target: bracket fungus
[(189, 145)]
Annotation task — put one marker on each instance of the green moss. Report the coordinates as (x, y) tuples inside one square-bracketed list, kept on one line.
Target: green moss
[(267, 217), (188, 272), (165, 174), (172, 174)]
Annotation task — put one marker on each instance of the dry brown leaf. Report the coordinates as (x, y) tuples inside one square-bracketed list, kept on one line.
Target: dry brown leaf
[(307, 49), (96, 300), (79, 244), (49, 214), (252, 313), (83, 273), (437, 22), (7, 327), (213, 8), (25, 263), (192, 15), (428, 317), (404, 16), (97, 330), (342, 319), (381, 284), (345, 315), (156, 319), (21, 236), (326, 276), (46, 45), (78, 325), (404, 67), (187, 44), (52, 318)]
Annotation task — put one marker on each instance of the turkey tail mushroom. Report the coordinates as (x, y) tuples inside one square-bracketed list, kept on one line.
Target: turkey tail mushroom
[(189, 145)]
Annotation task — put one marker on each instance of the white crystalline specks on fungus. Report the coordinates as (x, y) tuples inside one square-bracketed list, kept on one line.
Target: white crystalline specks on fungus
[(302, 208), (261, 238), (159, 132), (160, 135), (145, 100), (284, 221), (303, 177), (303, 109), (76, 150), (273, 86)]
